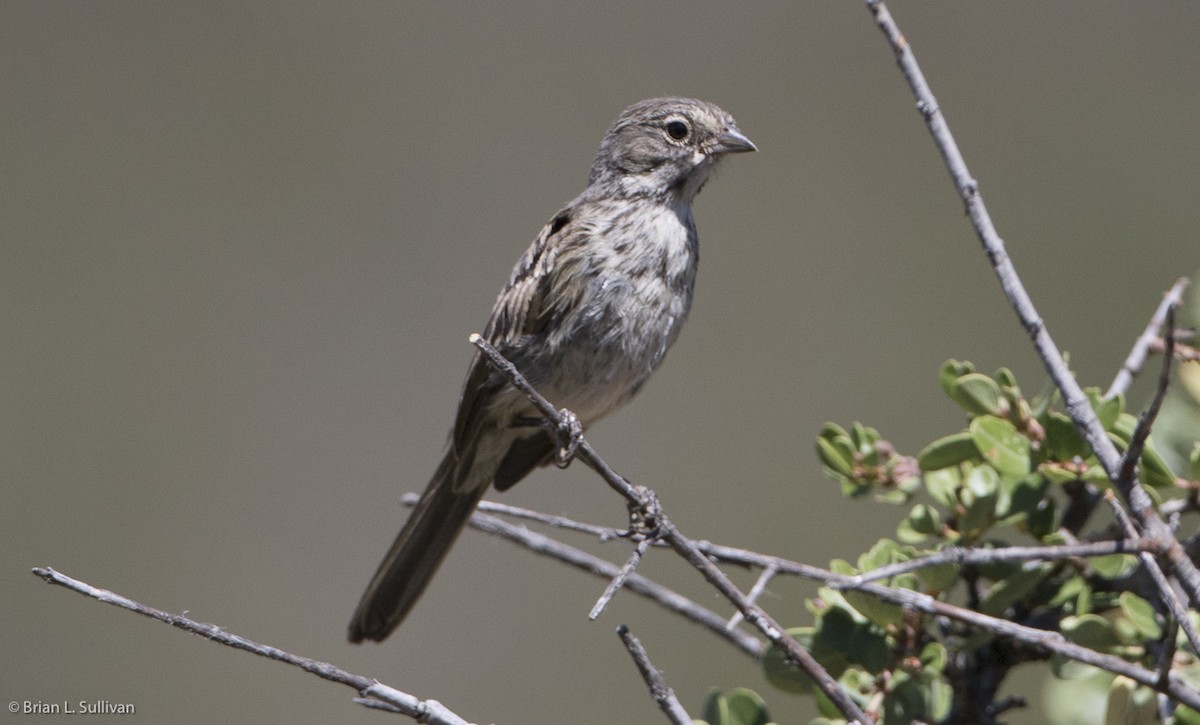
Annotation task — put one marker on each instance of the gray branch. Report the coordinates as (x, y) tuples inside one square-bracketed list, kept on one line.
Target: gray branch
[(663, 695), (372, 693), (1077, 406), (1146, 341), (645, 502), (1170, 684)]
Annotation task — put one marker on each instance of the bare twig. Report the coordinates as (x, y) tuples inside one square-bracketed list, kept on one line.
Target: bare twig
[(636, 583), (1183, 353), (1078, 407), (1145, 342), (1141, 433), (604, 533), (644, 500), (1166, 657), (618, 581), (958, 555), (1021, 635), (1133, 452), (663, 695), (372, 692), (760, 585), (1165, 591)]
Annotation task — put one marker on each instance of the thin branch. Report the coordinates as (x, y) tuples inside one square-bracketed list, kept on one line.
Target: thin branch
[(620, 578), (1165, 592), (1141, 433), (663, 695), (756, 591), (645, 501), (636, 583), (1166, 657), (1021, 635), (1137, 356), (1183, 353), (372, 692), (604, 533), (959, 555), (1078, 407)]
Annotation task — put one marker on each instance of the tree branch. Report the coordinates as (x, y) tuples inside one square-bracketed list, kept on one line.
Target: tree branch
[(663, 695), (1145, 342), (372, 693), (1076, 402), (959, 555), (1021, 635), (643, 500), (636, 583)]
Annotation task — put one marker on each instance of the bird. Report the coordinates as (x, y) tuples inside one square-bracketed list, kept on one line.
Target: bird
[(587, 315)]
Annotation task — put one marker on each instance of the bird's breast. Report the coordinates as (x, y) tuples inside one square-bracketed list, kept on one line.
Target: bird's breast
[(632, 283)]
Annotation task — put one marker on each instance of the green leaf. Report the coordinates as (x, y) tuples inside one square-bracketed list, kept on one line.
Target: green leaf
[(1152, 469), (1020, 496), (1006, 379), (1194, 463), (1041, 521), (1113, 565), (895, 497), (1090, 630), (933, 658), (1059, 474), (746, 707), (782, 674), (952, 370), (1012, 589), (864, 438), (922, 522), (977, 394), (983, 482), (834, 458), (840, 640), (908, 702), (938, 578), (882, 553), (716, 709), (943, 486), (949, 451), (1129, 704), (1068, 591), (1141, 614), (1123, 428), (873, 608), (1107, 410), (979, 496), (1001, 445), (1063, 441)]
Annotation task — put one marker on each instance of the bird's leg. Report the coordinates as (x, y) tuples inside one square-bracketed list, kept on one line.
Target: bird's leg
[(567, 432)]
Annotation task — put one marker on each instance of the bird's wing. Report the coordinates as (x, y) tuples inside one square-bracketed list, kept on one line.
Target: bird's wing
[(520, 311)]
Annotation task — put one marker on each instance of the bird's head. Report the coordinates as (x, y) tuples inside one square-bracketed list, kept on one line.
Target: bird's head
[(664, 147)]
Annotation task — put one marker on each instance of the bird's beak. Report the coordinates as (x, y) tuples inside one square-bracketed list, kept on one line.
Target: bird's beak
[(732, 141)]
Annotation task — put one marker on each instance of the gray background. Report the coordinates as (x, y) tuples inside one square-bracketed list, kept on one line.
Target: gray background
[(243, 246)]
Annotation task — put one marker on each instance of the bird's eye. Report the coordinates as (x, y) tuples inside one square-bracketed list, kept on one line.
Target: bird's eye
[(677, 130)]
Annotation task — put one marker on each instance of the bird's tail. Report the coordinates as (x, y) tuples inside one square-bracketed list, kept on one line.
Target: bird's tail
[(435, 523)]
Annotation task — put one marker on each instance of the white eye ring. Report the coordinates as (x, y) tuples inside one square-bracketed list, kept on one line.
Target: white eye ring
[(678, 129)]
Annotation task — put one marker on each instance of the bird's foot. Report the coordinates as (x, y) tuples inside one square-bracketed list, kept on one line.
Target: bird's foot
[(644, 516), (569, 432)]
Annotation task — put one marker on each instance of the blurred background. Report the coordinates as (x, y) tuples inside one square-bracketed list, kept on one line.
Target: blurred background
[(242, 246)]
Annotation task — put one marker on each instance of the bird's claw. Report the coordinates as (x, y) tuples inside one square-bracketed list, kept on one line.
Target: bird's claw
[(570, 434), (644, 516)]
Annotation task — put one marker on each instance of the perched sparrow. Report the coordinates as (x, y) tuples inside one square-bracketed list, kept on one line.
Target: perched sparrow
[(586, 316)]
